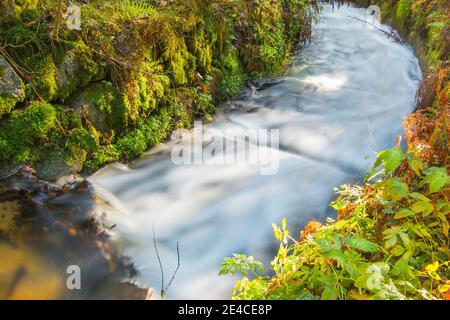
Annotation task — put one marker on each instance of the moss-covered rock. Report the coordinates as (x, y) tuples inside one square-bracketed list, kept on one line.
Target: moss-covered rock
[(77, 69), (12, 89), (134, 72), (101, 105), (24, 129), (42, 77)]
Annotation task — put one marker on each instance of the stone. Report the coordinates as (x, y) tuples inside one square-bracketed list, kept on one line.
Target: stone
[(12, 89)]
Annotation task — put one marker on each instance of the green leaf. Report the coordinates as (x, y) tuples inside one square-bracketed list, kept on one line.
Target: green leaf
[(416, 165), (424, 207), (395, 189), (390, 242), (377, 271), (401, 268), (436, 178), (242, 264), (329, 294), (403, 213), (397, 250), (358, 243), (418, 196), (390, 158)]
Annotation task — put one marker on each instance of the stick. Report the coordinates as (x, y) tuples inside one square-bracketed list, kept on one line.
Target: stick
[(164, 289), (176, 270), (159, 261), (392, 34)]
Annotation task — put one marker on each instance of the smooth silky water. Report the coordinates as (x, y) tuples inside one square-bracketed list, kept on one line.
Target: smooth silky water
[(344, 98)]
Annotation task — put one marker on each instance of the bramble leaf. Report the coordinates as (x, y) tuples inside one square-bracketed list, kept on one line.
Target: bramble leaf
[(358, 243), (436, 178), (403, 213), (424, 207), (390, 158), (395, 189)]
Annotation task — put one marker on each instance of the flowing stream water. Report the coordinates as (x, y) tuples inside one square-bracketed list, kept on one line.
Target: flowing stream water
[(344, 98)]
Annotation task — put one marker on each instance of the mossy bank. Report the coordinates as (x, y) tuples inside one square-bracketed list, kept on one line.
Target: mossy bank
[(135, 71)]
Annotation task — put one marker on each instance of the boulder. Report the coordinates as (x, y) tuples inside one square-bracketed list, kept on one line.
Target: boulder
[(94, 104), (76, 70), (12, 89)]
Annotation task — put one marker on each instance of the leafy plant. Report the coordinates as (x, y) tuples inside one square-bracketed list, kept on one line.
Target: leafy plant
[(242, 264), (389, 243)]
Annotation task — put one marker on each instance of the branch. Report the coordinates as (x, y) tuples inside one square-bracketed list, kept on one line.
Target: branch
[(159, 261), (176, 270), (164, 289), (392, 34)]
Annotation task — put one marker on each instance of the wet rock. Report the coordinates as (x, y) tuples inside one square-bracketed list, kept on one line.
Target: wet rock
[(54, 166), (44, 229)]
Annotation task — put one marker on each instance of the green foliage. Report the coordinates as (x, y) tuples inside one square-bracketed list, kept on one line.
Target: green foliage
[(436, 178), (402, 10), (242, 264), (231, 78), (424, 24), (149, 133), (133, 9), (389, 243), (390, 158)]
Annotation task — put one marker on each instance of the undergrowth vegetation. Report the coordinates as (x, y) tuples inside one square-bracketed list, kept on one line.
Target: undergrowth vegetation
[(391, 236), (134, 71)]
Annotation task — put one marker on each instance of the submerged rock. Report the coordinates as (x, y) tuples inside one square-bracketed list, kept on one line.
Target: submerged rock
[(44, 230)]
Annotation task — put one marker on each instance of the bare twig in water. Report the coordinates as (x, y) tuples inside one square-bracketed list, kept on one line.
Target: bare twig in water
[(176, 270), (159, 261), (392, 34), (164, 289)]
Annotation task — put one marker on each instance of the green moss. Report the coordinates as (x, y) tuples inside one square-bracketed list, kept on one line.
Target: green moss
[(181, 62), (25, 5), (402, 10), (137, 71), (24, 129), (231, 77), (107, 108), (42, 82), (77, 68), (147, 89), (154, 130), (104, 155), (6, 105)]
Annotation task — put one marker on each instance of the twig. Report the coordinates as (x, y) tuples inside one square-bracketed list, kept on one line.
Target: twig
[(176, 270), (164, 289), (6, 45), (159, 261), (392, 34)]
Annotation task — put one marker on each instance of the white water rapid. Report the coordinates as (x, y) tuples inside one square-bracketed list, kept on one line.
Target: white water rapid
[(344, 98)]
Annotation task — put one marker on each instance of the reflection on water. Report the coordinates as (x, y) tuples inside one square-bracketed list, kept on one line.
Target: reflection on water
[(344, 98)]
